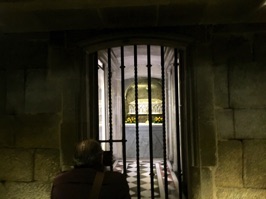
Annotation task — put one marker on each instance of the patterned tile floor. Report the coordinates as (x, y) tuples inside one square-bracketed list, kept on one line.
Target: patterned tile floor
[(158, 169)]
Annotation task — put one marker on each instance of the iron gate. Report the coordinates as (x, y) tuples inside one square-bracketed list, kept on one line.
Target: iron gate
[(177, 63)]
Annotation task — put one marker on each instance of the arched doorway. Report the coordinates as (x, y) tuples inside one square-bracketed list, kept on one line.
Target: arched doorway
[(112, 62)]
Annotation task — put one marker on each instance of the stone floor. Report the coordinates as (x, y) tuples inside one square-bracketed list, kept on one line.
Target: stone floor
[(145, 188)]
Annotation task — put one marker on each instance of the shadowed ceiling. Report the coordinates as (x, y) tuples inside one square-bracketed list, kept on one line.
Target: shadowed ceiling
[(25, 16), (49, 15)]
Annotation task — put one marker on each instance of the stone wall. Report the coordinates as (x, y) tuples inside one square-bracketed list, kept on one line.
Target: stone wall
[(40, 95), (31, 117), (240, 110)]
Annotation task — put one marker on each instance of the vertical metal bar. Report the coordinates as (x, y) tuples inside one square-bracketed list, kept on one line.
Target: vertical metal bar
[(150, 118), (92, 130), (179, 171), (123, 111), (184, 124), (163, 129), (137, 118), (110, 103)]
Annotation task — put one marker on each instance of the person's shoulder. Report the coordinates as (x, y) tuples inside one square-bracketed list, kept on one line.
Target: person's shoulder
[(60, 176), (69, 174), (62, 173), (113, 175)]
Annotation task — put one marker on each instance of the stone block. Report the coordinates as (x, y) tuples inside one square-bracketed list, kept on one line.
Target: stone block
[(250, 123), (51, 159), (229, 170), (205, 112), (254, 163), (69, 104), (231, 48), (22, 190), (220, 53), (236, 193), (207, 146), (37, 54), (7, 131), (15, 91), (60, 62), (16, 165), (247, 85), (202, 54), (195, 186), (38, 131), (221, 86), (15, 53), (207, 190), (63, 65), (2, 190), (239, 48), (224, 123), (69, 137), (41, 96), (260, 47), (2, 92)]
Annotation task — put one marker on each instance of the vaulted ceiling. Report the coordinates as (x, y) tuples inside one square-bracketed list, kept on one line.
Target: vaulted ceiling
[(50, 15)]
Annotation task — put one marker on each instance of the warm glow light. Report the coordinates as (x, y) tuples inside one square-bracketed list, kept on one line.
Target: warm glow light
[(100, 63)]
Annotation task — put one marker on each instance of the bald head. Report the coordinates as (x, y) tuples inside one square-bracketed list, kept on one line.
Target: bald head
[(88, 153)]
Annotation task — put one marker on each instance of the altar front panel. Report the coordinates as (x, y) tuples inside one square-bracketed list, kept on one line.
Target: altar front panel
[(144, 149)]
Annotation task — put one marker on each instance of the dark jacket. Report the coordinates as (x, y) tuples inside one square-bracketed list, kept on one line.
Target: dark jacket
[(77, 183)]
